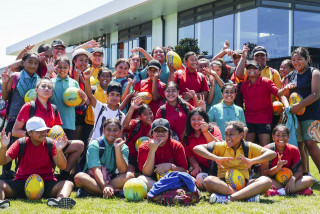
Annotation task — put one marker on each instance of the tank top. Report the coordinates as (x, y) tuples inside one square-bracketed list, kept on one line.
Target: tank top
[(303, 83)]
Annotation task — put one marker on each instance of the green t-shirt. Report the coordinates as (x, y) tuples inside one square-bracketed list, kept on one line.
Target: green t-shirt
[(108, 158)]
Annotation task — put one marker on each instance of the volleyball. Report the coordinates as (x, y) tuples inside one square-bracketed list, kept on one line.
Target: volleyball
[(277, 107), (56, 132), (140, 141), (135, 189), (71, 97), (30, 95), (34, 187)]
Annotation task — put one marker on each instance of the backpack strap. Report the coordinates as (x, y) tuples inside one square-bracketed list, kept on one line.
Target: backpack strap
[(139, 74), (271, 146), (50, 146), (120, 115), (55, 109), (134, 131), (22, 145), (33, 109), (123, 82), (102, 146), (239, 96), (100, 112), (16, 78), (163, 111), (213, 167), (245, 147)]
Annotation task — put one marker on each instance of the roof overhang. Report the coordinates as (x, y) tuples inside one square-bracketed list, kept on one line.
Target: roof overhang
[(113, 16)]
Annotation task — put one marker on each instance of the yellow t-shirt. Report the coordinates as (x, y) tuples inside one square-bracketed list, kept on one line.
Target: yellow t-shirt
[(94, 78), (222, 150), (100, 95)]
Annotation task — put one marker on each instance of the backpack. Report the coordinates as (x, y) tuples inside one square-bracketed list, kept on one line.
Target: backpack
[(22, 145), (16, 78), (134, 131), (213, 167), (272, 146)]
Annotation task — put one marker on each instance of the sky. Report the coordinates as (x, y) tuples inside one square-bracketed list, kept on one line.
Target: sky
[(21, 19)]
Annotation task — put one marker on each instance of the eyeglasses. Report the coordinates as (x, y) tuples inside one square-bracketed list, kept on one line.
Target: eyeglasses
[(46, 86), (60, 49)]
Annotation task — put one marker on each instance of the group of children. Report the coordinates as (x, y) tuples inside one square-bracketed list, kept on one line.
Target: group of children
[(204, 113)]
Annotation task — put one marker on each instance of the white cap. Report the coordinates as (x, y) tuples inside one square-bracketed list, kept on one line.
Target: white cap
[(79, 51), (36, 124)]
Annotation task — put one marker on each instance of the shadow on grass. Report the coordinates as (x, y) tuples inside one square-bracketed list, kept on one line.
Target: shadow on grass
[(316, 186), (40, 201)]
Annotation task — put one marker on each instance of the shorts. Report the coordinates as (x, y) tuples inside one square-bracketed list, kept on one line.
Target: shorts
[(80, 119), (69, 133), (302, 130), (18, 188), (259, 128), (67, 146), (134, 162)]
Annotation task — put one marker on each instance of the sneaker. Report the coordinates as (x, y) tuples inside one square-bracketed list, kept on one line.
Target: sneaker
[(220, 199), (81, 193), (254, 199), (66, 203), (307, 191), (272, 192), (4, 203)]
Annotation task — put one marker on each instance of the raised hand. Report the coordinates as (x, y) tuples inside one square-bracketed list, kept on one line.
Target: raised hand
[(136, 50), (226, 44), (245, 50), (281, 162), (118, 143), (154, 144), (60, 143), (136, 103), (87, 73), (156, 76), (5, 75), (92, 43), (202, 102), (50, 65), (229, 52), (28, 48), (204, 127), (5, 140)]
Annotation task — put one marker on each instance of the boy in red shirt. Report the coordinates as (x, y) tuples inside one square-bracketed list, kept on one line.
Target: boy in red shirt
[(160, 154), (36, 160)]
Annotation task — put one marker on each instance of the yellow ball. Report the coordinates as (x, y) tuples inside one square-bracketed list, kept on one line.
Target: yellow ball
[(159, 176), (71, 97), (283, 175), (56, 132), (145, 96), (296, 98), (94, 81), (135, 189), (140, 141), (30, 95), (174, 59), (34, 187), (235, 179)]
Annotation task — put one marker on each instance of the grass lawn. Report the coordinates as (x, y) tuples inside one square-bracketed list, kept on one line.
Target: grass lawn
[(277, 204)]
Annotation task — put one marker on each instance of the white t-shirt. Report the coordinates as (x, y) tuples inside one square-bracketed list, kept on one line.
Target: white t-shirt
[(106, 114)]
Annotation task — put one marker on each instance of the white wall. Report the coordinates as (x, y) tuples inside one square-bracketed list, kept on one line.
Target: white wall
[(156, 32), (171, 29)]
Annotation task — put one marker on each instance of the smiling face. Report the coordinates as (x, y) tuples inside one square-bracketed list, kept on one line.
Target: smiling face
[(121, 70), (158, 54), (111, 132), (236, 59), (105, 79), (81, 62), (160, 134), (31, 64), (38, 136), (253, 71), (284, 69), (233, 136), (58, 50), (146, 116), (229, 94), (171, 93), (261, 59), (192, 63), (113, 98), (280, 137), (45, 89), (63, 69), (299, 62), (196, 121), (217, 69), (97, 59)]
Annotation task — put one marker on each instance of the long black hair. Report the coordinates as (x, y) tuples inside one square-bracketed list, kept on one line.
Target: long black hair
[(181, 102), (189, 129)]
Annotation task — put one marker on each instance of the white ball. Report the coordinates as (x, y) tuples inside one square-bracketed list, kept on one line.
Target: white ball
[(199, 180)]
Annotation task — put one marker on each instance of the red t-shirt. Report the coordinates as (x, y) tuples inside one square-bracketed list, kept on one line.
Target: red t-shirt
[(171, 152), (193, 141), (143, 131), (146, 86), (176, 117), (47, 115), (257, 98), (191, 80), (35, 160), (290, 153)]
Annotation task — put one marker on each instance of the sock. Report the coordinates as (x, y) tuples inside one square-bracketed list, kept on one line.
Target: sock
[(282, 191)]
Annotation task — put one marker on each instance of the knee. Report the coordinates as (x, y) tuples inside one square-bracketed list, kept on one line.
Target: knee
[(209, 181), (79, 178), (310, 180), (266, 181), (130, 175), (77, 146), (143, 178), (69, 184)]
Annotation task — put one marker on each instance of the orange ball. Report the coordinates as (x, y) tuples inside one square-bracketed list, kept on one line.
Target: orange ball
[(277, 107)]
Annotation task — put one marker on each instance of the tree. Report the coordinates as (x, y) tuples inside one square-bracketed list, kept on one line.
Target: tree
[(186, 45)]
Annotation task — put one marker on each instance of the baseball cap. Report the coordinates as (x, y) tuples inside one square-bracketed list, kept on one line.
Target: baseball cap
[(58, 42), (259, 49), (79, 51), (97, 50), (237, 52), (36, 124), (164, 123), (154, 63), (253, 63), (114, 86)]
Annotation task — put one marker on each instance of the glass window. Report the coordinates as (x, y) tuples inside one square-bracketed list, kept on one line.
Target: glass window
[(223, 30), (126, 50), (276, 3), (204, 34), (114, 54), (275, 37), (306, 29), (246, 24), (186, 32), (149, 44)]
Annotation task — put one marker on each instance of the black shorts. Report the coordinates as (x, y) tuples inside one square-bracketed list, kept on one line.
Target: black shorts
[(259, 128), (134, 162), (18, 188), (80, 120), (69, 133), (66, 147)]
